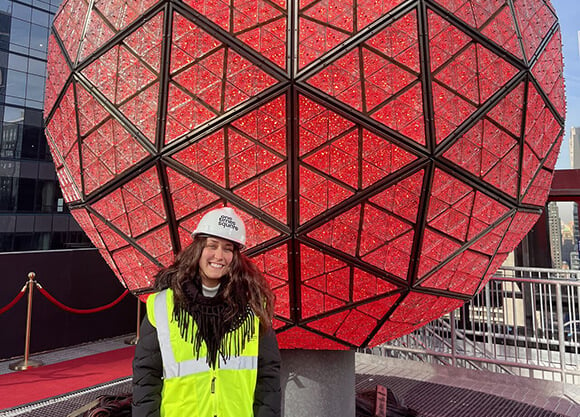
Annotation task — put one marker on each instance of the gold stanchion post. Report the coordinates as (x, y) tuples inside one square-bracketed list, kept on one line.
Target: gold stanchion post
[(134, 340), (26, 363)]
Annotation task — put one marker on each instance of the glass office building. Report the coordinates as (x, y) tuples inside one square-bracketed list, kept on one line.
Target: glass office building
[(32, 211)]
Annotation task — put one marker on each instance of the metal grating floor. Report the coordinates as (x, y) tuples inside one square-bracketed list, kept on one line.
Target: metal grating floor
[(436, 400), (63, 405), (428, 399)]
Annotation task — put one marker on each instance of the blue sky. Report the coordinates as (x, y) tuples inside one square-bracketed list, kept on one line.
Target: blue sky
[(569, 17)]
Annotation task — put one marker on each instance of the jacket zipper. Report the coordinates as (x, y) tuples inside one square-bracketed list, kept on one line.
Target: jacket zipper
[(214, 400)]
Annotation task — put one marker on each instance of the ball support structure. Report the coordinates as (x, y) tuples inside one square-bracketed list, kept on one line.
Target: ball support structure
[(386, 159)]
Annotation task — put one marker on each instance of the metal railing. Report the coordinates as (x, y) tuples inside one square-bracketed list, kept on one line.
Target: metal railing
[(525, 322)]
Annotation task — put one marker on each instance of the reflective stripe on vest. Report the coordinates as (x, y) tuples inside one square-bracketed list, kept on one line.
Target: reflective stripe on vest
[(172, 368)]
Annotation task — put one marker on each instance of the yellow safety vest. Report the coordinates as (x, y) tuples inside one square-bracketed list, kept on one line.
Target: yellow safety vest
[(190, 387)]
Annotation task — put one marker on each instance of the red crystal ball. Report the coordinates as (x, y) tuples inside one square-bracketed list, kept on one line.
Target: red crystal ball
[(386, 156)]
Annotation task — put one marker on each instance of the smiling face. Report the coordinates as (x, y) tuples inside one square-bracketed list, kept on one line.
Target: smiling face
[(215, 260)]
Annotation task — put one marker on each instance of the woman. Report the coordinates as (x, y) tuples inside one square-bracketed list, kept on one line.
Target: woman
[(207, 347)]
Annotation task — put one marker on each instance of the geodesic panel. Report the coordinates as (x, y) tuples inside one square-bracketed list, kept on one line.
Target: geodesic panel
[(385, 155)]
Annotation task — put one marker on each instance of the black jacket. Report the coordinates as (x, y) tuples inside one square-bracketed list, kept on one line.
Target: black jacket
[(148, 373)]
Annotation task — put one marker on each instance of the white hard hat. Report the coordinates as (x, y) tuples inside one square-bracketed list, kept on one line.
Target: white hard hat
[(223, 222)]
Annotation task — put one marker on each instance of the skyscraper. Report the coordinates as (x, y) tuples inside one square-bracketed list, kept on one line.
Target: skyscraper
[(574, 147), (555, 231), (575, 164), (32, 212)]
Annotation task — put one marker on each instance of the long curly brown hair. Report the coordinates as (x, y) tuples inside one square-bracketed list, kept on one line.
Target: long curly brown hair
[(243, 282)]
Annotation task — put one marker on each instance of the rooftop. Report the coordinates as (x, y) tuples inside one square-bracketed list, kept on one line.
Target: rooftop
[(431, 390)]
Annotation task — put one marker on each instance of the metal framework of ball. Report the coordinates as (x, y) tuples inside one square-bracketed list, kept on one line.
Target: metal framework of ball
[(386, 156)]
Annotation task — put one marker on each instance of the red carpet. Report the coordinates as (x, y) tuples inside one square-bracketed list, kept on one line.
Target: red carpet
[(22, 387)]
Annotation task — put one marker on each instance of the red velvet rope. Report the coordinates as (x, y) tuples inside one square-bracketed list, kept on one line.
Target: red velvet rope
[(78, 310), (13, 302)]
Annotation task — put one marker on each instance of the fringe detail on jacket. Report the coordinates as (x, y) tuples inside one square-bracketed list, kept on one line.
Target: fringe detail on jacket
[(222, 338)]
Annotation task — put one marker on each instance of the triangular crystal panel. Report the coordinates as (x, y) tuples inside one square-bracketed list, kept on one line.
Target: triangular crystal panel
[(380, 229), (190, 43), (111, 238), (550, 76), (450, 110), (269, 40), (379, 308), (90, 111), (133, 76), (509, 111), (541, 124), (518, 228), (85, 221), (504, 174), (462, 274), (404, 114), (485, 211), (368, 11), (474, 13), (112, 208), (338, 159), (69, 24), (246, 159), (415, 310), (402, 199), (341, 232), (57, 73), (436, 249), (366, 285), (502, 30), (186, 195), (381, 158), (62, 128), (382, 79), (268, 192), (476, 73), (333, 13), (146, 42), (340, 78), (535, 19), (157, 245), (70, 190), (206, 156), (316, 39), (102, 73), (210, 79), (539, 189), (184, 113), (137, 269), (107, 152), (318, 194), (123, 12), (142, 110), (552, 158), (530, 166), (266, 125), (98, 32), (405, 50), (318, 125), (330, 324), (274, 265), (259, 24), (445, 41), (489, 243), (299, 338), (149, 210), (356, 327)]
